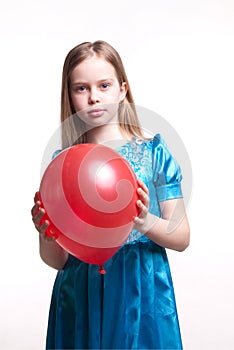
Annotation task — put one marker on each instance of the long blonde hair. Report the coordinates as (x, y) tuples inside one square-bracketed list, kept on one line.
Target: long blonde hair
[(73, 129)]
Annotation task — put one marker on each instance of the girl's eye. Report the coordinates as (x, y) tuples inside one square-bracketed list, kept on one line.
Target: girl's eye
[(105, 86), (80, 88)]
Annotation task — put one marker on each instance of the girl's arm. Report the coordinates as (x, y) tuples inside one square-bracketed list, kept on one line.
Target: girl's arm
[(50, 251), (171, 230)]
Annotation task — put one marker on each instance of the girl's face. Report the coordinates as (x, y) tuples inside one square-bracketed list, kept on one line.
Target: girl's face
[(95, 91)]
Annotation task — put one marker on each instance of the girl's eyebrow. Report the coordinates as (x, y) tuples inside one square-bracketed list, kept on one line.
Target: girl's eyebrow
[(78, 83), (85, 82), (102, 80)]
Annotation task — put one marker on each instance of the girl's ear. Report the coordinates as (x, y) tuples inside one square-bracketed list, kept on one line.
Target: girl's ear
[(123, 91)]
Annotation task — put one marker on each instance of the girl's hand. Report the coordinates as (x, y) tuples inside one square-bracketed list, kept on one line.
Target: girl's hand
[(141, 221), (144, 221), (37, 215), (143, 202)]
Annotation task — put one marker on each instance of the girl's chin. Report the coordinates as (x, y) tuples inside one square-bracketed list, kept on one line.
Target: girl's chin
[(100, 122)]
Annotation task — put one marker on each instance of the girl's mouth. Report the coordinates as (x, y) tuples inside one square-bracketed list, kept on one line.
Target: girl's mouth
[(96, 112)]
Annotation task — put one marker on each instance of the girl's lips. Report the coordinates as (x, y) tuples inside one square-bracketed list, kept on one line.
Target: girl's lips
[(96, 112)]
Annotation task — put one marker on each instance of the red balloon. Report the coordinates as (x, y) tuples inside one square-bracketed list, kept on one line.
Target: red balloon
[(89, 195), (91, 255)]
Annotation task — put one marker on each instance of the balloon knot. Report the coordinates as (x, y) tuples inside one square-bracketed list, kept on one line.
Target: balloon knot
[(101, 270)]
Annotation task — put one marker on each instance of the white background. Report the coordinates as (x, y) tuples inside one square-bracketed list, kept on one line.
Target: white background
[(179, 57)]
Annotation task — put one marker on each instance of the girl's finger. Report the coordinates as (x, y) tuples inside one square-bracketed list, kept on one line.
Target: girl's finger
[(40, 214), (36, 197), (138, 220), (144, 196), (143, 186), (38, 217), (143, 208), (44, 226), (35, 208)]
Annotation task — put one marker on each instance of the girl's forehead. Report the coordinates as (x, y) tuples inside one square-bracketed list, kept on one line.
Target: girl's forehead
[(93, 66), (94, 60)]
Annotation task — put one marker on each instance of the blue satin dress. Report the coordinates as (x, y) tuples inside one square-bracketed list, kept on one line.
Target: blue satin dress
[(133, 305)]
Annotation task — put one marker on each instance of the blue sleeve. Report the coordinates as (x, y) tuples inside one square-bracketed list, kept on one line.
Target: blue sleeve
[(56, 153), (166, 171)]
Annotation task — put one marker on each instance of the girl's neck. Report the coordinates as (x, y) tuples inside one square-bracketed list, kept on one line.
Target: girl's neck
[(107, 134)]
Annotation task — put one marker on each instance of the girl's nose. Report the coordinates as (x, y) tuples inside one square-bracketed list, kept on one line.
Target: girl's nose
[(94, 96)]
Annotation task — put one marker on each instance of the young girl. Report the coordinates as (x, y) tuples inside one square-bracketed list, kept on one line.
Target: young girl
[(132, 306)]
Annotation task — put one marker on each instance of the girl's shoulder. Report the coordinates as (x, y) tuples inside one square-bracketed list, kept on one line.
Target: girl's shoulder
[(150, 142)]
